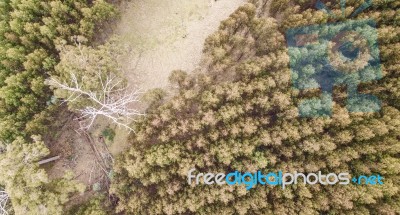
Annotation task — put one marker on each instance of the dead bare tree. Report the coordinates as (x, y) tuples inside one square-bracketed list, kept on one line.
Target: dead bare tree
[(111, 101), (3, 202)]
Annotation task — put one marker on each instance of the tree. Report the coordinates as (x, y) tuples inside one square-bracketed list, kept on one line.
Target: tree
[(90, 82), (4, 206), (95, 206), (247, 119), (30, 31), (28, 186)]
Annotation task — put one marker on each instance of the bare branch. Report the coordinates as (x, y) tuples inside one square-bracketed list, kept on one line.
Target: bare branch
[(3, 202), (112, 101)]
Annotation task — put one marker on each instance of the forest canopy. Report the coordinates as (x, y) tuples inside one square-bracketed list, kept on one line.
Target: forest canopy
[(31, 33), (243, 115), (252, 106)]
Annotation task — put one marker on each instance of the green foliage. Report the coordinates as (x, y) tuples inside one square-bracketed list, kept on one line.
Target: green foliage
[(94, 206), (179, 78), (29, 187), (243, 115), (154, 97), (109, 134), (92, 67), (30, 31)]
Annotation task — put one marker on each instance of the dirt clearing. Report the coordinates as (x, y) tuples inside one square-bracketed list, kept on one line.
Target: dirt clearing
[(165, 35)]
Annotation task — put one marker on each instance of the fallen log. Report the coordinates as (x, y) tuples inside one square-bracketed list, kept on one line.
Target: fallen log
[(49, 160)]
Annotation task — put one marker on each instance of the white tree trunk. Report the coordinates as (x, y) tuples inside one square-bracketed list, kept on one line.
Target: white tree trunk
[(111, 102), (3, 202)]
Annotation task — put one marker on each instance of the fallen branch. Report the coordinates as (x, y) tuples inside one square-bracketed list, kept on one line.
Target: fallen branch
[(48, 160)]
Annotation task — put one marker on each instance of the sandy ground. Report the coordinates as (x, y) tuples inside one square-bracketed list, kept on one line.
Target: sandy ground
[(165, 35)]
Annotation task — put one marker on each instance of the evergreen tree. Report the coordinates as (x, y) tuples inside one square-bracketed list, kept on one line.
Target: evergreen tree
[(30, 32), (28, 186), (243, 115)]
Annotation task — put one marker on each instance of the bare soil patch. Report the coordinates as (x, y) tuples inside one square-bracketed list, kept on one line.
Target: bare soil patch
[(83, 153), (165, 35)]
